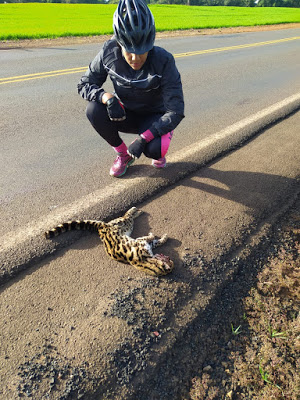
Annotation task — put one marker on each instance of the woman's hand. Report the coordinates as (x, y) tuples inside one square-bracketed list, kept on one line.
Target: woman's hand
[(115, 108), (106, 96)]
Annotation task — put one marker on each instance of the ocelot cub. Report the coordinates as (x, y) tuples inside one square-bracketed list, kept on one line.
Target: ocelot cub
[(120, 246)]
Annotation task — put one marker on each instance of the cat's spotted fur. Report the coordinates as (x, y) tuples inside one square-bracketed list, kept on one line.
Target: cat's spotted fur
[(120, 246)]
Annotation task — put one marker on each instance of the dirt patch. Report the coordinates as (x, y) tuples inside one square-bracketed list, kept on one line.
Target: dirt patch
[(36, 43), (244, 346), (254, 349)]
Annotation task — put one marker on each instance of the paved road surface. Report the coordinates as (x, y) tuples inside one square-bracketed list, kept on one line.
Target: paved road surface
[(50, 155)]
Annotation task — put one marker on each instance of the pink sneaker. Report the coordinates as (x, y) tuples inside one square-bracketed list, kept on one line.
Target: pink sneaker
[(160, 163), (120, 165)]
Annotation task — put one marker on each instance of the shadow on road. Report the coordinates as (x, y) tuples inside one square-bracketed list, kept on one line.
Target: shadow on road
[(252, 189)]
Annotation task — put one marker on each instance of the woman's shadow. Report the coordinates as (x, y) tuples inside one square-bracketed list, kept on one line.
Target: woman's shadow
[(255, 190)]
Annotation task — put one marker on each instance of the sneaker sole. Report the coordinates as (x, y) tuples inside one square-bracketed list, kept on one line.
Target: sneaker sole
[(159, 167), (123, 173)]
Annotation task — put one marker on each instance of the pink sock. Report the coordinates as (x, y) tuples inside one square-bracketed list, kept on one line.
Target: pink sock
[(147, 135), (122, 149)]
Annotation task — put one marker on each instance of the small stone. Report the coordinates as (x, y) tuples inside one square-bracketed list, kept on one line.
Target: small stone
[(208, 368), (224, 364)]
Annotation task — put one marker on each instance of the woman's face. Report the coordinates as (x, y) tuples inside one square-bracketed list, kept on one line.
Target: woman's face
[(136, 61)]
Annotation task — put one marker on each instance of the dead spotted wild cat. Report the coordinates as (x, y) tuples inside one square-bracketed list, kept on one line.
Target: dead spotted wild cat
[(120, 246)]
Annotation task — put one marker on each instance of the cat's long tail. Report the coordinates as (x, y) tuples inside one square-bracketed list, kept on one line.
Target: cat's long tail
[(86, 225)]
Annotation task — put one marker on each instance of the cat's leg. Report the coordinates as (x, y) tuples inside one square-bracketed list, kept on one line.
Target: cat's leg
[(132, 212), (159, 242), (125, 223), (155, 266), (149, 238)]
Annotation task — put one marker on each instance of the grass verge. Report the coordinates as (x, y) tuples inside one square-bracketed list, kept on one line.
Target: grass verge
[(49, 20), (257, 355)]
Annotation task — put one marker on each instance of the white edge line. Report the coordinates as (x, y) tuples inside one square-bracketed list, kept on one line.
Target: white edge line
[(67, 213)]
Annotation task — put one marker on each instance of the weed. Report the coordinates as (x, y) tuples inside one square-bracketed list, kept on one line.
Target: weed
[(264, 375), (236, 331), (275, 334)]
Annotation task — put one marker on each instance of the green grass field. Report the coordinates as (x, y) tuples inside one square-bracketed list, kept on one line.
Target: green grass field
[(42, 20)]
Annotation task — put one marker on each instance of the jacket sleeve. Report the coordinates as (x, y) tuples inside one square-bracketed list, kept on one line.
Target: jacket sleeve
[(173, 100), (90, 84)]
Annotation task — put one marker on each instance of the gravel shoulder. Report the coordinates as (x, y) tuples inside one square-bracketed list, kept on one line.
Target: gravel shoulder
[(250, 333), (34, 43), (78, 325)]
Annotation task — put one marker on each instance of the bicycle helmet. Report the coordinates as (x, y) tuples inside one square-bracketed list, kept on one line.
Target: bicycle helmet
[(134, 26)]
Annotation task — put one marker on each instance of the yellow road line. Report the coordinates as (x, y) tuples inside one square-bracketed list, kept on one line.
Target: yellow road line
[(50, 74), (242, 46), (40, 75)]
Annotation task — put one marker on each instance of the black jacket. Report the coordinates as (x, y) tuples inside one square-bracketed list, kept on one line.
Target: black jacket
[(155, 88)]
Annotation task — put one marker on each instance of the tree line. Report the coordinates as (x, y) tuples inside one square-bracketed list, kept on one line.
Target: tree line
[(233, 3)]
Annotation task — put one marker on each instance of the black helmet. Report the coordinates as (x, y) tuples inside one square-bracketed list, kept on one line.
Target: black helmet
[(134, 26)]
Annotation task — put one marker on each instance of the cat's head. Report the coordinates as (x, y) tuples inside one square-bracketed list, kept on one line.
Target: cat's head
[(163, 265)]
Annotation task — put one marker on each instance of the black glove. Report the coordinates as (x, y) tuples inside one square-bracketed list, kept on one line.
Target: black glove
[(136, 148), (115, 110)]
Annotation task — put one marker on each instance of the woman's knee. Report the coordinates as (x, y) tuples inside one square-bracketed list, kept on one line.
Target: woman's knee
[(95, 112), (153, 149), (159, 146)]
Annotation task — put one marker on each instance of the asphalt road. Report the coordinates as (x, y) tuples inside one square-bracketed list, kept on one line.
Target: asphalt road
[(50, 155)]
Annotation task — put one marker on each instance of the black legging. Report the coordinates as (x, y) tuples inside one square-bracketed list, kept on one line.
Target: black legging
[(134, 123)]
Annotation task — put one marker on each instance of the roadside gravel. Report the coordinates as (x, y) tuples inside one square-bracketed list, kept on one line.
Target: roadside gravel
[(32, 43), (199, 362), (78, 324)]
